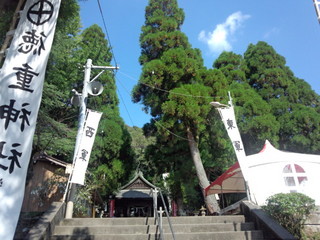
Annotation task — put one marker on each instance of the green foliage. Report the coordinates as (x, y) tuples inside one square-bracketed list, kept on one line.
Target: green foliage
[(290, 210), (161, 29), (270, 102), (232, 65), (103, 180), (6, 17), (182, 108), (254, 117), (139, 145), (55, 130), (112, 158), (311, 235)]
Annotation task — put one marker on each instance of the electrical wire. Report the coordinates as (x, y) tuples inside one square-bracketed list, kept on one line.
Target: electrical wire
[(172, 133), (126, 90), (125, 106), (106, 30), (163, 90), (156, 122)]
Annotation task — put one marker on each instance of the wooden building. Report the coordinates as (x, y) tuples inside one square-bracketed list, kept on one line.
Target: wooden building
[(46, 181), (135, 199)]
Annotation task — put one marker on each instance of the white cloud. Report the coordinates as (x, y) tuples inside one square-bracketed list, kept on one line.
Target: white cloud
[(219, 39)]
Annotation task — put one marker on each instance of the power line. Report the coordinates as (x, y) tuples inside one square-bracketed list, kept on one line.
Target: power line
[(125, 106), (166, 91), (176, 135), (127, 91), (156, 122), (106, 30), (123, 100)]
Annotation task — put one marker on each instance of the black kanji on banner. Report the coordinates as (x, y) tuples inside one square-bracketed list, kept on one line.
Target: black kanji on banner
[(90, 131), (32, 41), (24, 77), (11, 114), (230, 124), (14, 157)]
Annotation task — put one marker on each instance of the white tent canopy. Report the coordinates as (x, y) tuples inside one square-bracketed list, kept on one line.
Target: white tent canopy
[(272, 171)]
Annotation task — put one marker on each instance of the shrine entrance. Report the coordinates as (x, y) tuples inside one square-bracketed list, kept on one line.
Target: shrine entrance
[(135, 199), (134, 207)]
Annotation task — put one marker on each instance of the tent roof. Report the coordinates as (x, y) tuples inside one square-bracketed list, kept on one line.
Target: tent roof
[(269, 155), (230, 181)]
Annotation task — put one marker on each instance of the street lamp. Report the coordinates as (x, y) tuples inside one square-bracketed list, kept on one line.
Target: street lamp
[(219, 105)]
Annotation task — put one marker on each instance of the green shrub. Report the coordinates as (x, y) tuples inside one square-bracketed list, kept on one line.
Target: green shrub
[(290, 210)]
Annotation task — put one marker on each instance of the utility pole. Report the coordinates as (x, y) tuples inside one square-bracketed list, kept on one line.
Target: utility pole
[(72, 187)]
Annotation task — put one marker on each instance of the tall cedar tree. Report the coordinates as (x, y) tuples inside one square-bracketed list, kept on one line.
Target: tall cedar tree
[(271, 102), (254, 115), (294, 104), (169, 63)]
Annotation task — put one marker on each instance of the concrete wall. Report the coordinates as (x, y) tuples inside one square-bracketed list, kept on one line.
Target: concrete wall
[(46, 225), (313, 222)]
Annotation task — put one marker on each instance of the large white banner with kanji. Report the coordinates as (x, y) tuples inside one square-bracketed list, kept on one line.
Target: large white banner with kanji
[(21, 83), (84, 151), (229, 121)]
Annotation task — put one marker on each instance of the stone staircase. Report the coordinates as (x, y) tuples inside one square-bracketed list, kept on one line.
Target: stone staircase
[(185, 228)]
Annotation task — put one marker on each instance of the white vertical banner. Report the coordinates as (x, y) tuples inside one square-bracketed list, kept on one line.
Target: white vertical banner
[(85, 148), (21, 83), (229, 121)]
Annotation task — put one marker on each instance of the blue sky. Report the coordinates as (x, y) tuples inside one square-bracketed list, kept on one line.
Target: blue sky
[(291, 27)]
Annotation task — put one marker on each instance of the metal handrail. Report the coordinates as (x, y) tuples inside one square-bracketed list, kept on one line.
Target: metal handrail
[(158, 215)]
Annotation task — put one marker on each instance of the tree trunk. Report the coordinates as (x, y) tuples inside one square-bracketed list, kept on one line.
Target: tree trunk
[(210, 200)]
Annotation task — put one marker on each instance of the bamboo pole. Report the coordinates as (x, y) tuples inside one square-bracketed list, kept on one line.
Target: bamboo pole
[(13, 24)]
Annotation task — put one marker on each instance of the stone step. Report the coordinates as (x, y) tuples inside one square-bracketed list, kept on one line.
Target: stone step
[(243, 235), (151, 221), (151, 229), (185, 228)]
